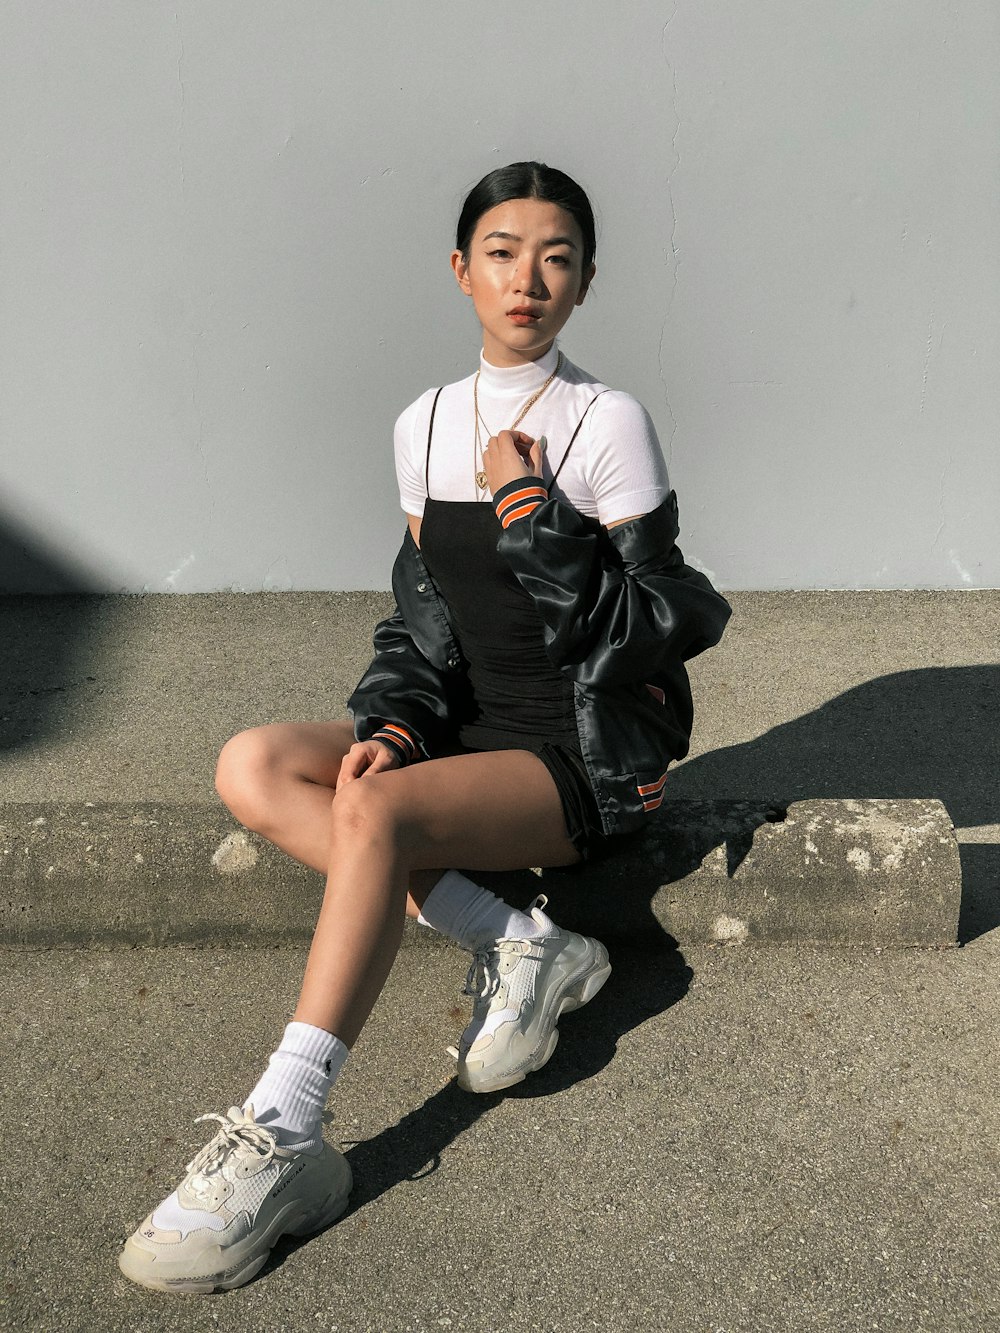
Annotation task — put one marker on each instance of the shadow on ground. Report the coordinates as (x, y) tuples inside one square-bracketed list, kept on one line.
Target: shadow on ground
[(915, 734), (931, 733), (934, 732), (645, 983)]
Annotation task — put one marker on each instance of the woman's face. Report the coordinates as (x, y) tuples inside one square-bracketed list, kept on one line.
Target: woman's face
[(524, 274)]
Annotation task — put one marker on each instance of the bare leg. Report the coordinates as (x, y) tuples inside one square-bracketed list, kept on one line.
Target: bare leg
[(280, 780), (496, 811), (382, 836)]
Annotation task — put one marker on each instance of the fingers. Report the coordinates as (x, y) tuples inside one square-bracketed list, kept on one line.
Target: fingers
[(352, 766), (511, 442), (510, 456), (365, 757), (522, 443)]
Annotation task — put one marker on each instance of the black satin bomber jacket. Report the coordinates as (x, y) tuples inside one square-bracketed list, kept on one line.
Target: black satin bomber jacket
[(621, 612)]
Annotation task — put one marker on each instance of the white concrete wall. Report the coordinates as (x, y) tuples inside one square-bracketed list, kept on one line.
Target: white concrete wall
[(225, 229)]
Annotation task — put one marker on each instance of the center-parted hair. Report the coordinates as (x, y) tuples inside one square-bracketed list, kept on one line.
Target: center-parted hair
[(527, 180)]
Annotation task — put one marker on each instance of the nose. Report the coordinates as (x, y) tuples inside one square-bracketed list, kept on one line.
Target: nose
[(527, 277)]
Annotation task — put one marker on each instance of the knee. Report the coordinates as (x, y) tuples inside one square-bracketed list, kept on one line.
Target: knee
[(248, 765), (366, 811)]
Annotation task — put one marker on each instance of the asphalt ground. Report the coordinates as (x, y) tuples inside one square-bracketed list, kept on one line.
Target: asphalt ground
[(725, 1140)]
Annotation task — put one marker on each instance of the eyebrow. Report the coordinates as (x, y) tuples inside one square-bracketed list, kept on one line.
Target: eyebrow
[(509, 236)]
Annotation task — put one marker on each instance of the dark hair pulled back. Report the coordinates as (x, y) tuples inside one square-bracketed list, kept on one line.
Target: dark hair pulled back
[(527, 180)]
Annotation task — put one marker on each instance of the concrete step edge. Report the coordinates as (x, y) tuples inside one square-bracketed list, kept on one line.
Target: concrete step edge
[(882, 873)]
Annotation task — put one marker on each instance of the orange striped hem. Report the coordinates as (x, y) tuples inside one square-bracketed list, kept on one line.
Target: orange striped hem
[(652, 793)]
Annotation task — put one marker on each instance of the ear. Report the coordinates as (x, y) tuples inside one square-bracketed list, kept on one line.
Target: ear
[(588, 278), (461, 270)]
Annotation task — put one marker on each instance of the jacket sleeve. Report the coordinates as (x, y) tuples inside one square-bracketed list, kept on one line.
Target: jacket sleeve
[(619, 604), (414, 681)]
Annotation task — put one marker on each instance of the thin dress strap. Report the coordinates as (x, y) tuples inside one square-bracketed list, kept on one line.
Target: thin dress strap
[(574, 435), (430, 432)]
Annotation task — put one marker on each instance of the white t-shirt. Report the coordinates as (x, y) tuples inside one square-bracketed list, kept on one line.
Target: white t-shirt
[(615, 468)]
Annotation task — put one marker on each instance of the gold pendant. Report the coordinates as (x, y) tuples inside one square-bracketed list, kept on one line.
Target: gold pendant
[(481, 480)]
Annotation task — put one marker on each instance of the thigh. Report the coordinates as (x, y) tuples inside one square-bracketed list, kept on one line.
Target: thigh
[(312, 751), (489, 811)]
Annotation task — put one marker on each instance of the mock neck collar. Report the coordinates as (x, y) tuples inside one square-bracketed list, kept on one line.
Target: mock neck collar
[(514, 381)]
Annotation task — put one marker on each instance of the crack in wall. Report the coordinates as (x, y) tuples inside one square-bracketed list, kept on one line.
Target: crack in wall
[(928, 353), (941, 509)]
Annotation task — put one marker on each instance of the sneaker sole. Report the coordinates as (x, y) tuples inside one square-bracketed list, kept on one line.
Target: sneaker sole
[(134, 1262), (580, 992)]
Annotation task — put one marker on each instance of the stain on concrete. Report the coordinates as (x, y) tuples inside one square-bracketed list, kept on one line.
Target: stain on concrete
[(730, 930), (235, 854)]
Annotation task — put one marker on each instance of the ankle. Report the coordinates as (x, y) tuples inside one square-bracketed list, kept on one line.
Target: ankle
[(290, 1096), (472, 916)]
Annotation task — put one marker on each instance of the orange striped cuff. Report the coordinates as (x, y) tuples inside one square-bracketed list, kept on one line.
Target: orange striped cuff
[(398, 739), (518, 499)]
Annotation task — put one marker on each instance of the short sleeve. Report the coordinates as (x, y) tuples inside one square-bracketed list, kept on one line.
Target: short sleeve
[(409, 440), (625, 468)]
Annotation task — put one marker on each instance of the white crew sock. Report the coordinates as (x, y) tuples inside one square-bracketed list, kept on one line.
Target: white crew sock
[(472, 916), (290, 1096)]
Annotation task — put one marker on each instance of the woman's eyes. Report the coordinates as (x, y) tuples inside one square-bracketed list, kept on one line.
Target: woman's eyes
[(561, 261)]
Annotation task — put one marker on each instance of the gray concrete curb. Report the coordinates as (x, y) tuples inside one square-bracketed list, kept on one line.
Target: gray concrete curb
[(875, 872)]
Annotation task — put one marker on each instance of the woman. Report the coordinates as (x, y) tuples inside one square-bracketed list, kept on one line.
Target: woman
[(534, 668)]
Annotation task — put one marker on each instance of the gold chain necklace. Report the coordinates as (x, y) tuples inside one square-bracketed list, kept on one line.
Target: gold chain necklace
[(477, 445)]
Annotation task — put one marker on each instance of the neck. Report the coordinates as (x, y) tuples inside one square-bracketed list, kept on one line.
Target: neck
[(517, 380), (496, 354)]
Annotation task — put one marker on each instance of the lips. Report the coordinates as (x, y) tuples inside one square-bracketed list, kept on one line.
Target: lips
[(524, 314)]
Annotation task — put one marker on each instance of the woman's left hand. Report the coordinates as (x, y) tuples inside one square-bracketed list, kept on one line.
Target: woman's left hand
[(511, 456)]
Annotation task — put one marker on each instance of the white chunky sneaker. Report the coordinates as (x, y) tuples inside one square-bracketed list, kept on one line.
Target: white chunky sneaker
[(240, 1194), (521, 988)]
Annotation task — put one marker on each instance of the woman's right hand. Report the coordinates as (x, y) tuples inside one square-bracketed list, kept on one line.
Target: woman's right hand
[(366, 757), (511, 456)]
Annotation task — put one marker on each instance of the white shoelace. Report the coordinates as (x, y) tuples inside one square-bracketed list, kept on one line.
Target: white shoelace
[(232, 1135), (482, 980)]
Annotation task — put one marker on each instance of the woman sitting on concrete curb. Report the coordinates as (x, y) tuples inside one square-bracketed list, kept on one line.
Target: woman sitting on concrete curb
[(525, 700)]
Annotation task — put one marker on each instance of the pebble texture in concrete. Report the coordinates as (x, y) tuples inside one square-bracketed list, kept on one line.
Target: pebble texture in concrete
[(820, 696), (849, 872)]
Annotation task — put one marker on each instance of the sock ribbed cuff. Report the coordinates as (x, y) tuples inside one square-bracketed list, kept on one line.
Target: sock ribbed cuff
[(472, 916), (316, 1045), (290, 1096)]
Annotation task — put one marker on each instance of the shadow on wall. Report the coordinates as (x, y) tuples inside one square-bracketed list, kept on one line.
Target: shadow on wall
[(928, 733), (51, 628)]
